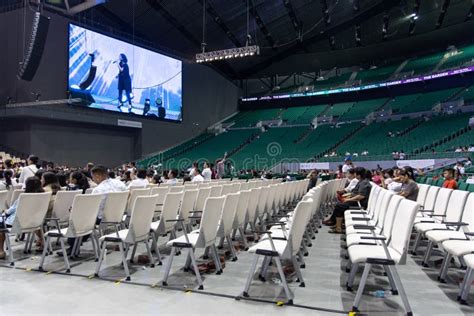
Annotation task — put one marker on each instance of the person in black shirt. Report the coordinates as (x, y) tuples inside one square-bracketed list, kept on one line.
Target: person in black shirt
[(360, 196), (124, 81)]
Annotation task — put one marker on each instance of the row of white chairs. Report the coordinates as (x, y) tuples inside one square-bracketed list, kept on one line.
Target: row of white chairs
[(446, 220)]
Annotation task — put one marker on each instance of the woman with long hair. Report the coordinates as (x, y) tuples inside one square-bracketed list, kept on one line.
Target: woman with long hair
[(124, 81), (78, 181)]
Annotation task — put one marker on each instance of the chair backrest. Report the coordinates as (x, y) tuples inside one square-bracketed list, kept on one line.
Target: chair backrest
[(431, 198), (15, 194), (228, 214), (187, 205), (402, 225), (3, 199), (215, 191), (262, 200), (161, 191), (270, 204), (244, 186), (170, 210), (252, 205), (31, 211), (422, 192), (468, 214), (390, 215), (115, 206), (455, 207), (175, 189), (63, 204), (380, 214), (241, 210), (85, 209), (227, 188), (134, 193), (201, 198), (300, 221), (210, 218), (194, 186), (89, 191), (141, 218), (442, 200), (236, 187)]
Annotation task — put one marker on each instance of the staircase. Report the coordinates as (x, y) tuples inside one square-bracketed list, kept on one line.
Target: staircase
[(303, 136), (244, 144), (410, 128), (341, 141)]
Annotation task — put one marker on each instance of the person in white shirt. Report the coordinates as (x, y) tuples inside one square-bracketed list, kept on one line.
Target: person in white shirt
[(192, 171), (139, 179), (347, 165), (30, 170), (197, 176), (172, 174), (353, 181), (104, 185), (207, 172)]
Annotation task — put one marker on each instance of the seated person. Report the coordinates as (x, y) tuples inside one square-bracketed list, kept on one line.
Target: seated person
[(395, 185), (172, 177), (139, 179), (409, 189), (78, 181), (449, 182), (32, 185), (353, 181), (360, 196), (197, 176)]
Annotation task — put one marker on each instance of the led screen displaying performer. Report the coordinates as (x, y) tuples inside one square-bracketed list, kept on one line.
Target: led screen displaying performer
[(113, 75)]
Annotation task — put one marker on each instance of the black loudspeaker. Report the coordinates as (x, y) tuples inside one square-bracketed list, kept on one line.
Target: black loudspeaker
[(32, 58)]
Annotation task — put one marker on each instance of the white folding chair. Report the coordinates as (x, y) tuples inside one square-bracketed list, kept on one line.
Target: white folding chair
[(215, 191), (204, 237), (15, 194), (138, 232), (3, 199), (240, 216), (30, 214), (282, 248), (82, 219), (114, 209), (187, 207), (226, 222)]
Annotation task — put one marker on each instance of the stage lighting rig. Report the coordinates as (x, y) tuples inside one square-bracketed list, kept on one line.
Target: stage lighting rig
[(228, 54)]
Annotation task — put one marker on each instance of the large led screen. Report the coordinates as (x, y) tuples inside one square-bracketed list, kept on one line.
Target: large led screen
[(109, 74)]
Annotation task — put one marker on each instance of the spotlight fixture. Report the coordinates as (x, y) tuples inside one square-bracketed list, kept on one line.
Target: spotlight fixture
[(228, 53)]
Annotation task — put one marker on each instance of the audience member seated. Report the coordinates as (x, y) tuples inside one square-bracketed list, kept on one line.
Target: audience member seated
[(352, 184), (30, 170), (50, 183), (32, 185), (139, 179), (449, 181), (78, 181), (360, 196), (395, 185), (313, 179), (196, 176), (409, 188), (172, 177), (6, 182)]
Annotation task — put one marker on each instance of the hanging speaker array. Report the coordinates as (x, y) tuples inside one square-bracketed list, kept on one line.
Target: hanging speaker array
[(32, 58)]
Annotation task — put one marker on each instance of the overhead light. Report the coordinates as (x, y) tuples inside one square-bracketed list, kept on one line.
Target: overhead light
[(412, 15), (415, 17), (228, 53)]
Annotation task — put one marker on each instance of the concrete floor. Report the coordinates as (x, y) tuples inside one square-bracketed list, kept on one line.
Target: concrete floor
[(23, 290)]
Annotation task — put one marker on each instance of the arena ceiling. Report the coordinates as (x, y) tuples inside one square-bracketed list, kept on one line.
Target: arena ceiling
[(282, 28)]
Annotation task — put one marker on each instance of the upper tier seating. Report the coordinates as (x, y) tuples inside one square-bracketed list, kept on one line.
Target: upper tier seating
[(362, 108), (332, 82), (250, 118), (424, 64), (420, 102), (464, 56), (377, 74), (302, 114)]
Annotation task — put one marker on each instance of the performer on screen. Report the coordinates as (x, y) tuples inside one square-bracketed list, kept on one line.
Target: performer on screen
[(124, 81)]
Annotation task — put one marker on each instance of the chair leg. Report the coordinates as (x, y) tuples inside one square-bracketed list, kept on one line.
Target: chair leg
[(43, 255), (148, 250), (351, 277), (250, 277), (360, 290), (244, 239), (206, 253), (300, 256), (400, 288), (155, 246), (124, 261), (10, 250), (283, 281), (27, 243), (187, 265), (445, 267), (101, 258), (468, 278), (391, 280), (135, 246), (427, 256), (95, 246), (232, 249), (416, 244), (196, 269), (298, 271), (66, 260), (217, 260), (221, 243), (264, 269), (168, 266)]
